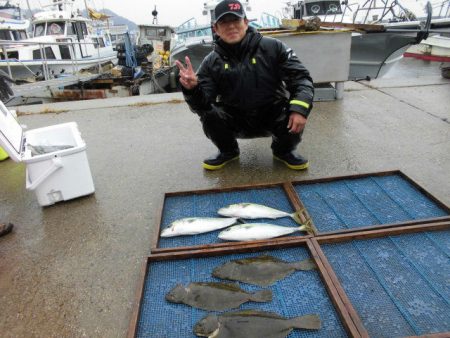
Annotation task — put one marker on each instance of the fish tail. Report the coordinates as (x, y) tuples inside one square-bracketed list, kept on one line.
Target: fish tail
[(306, 226), (297, 216), (261, 296), (308, 322), (305, 265)]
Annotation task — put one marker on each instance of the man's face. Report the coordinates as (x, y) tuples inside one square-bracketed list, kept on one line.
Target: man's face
[(231, 28)]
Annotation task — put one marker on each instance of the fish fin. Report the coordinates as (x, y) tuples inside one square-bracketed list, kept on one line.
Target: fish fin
[(308, 322), (305, 265), (261, 296)]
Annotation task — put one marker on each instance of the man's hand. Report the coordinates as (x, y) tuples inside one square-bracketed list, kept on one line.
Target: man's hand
[(188, 79), (296, 123)]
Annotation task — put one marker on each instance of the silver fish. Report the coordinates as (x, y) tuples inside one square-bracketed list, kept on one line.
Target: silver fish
[(196, 225), (253, 211), (39, 150), (253, 324), (212, 296), (261, 270), (258, 231)]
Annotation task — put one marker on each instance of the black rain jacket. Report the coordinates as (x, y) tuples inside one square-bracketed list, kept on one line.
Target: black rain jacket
[(251, 76)]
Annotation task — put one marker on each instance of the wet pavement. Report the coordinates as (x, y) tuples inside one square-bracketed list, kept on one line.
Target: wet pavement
[(71, 270)]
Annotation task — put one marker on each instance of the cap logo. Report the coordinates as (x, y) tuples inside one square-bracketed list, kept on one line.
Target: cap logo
[(234, 7)]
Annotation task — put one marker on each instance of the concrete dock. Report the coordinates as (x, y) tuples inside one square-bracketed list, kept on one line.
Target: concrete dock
[(72, 269)]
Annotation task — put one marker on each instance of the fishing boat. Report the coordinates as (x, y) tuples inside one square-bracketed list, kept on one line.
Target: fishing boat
[(381, 33), (62, 42), (12, 26)]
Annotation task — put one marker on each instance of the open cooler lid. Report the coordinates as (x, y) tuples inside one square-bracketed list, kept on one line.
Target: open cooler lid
[(11, 134)]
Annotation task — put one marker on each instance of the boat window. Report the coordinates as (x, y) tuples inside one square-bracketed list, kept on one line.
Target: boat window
[(16, 35), (95, 42), (101, 42), (150, 32), (84, 28), (70, 29), (39, 29), (55, 28), (4, 35), (23, 35)]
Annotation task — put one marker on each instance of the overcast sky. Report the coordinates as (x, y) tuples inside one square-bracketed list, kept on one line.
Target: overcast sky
[(174, 12)]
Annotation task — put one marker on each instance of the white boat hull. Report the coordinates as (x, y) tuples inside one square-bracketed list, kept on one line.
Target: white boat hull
[(24, 69)]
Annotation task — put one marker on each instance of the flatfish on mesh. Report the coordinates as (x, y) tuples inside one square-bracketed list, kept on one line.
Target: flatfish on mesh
[(262, 270), (253, 324), (212, 296)]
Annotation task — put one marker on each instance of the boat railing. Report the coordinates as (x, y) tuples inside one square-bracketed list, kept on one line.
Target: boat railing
[(444, 9), (7, 45), (382, 9)]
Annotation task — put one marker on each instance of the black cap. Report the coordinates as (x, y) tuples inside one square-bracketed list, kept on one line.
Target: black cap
[(228, 7)]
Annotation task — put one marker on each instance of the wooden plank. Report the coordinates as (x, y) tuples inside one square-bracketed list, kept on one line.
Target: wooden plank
[(445, 225), (354, 26), (346, 319), (346, 177), (385, 226), (228, 244), (138, 300), (238, 248), (355, 319), (298, 206), (425, 192), (226, 189), (155, 242)]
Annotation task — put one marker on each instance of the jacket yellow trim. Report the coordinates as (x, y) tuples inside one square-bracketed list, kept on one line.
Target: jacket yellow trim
[(254, 61), (226, 66), (300, 103)]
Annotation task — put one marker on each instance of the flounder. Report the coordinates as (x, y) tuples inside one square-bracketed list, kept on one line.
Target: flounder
[(212, 296), (253, 324), (262, 270)]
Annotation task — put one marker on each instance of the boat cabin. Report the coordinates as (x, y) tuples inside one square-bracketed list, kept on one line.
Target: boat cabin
[(159, 36)]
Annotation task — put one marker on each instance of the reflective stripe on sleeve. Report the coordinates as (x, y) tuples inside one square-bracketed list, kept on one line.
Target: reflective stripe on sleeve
[(300, 103)]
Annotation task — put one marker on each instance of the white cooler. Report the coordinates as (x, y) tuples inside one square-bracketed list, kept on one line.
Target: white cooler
[(54, 176)]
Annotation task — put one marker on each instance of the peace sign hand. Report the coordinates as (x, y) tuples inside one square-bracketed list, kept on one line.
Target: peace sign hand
[(188, 79)]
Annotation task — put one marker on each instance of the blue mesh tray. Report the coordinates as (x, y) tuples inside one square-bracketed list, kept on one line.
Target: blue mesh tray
[(399, 285), (206, 204), (299, 294), (367, 200)]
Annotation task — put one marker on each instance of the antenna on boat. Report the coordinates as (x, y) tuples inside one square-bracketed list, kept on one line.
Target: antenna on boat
[(155, 16), (29, 9)]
